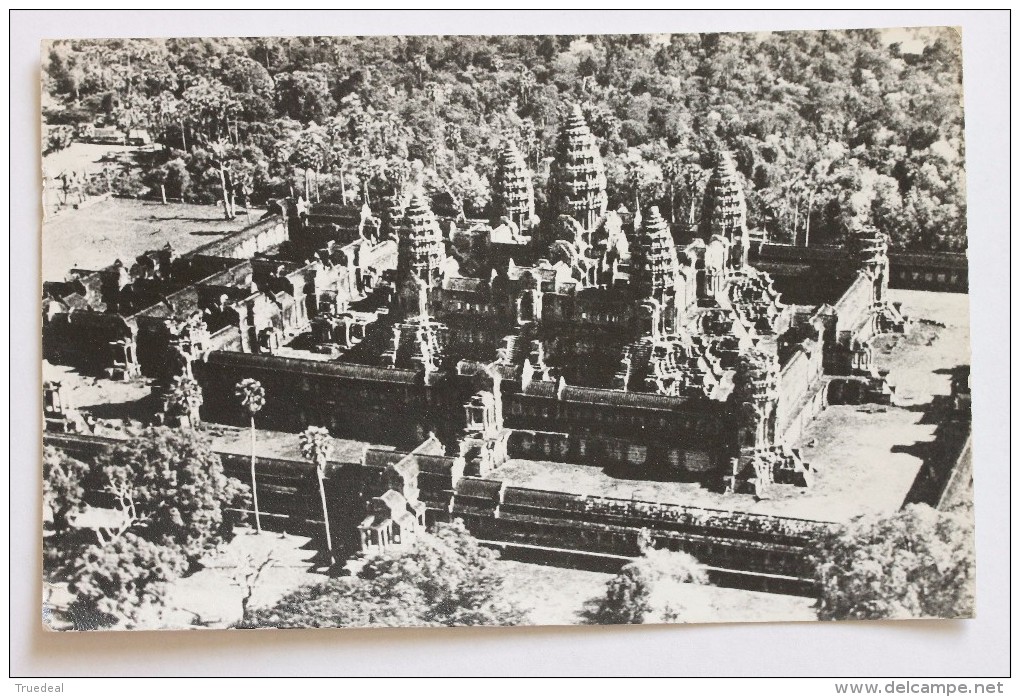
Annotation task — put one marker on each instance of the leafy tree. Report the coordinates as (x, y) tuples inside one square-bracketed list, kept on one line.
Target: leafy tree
[(169, 495), (126, 581), (57, 138), (246, 76), (62, 72), (310, 152), (64, 498), (63, 490), (646, 590), (177, 178), (917, 562), (468, 191), (221, 154), (207, 107), (640, 179), (304, 96), (445, 579), (245, 570), (253, 398), (170, 489), (173, 176), (316, 447)]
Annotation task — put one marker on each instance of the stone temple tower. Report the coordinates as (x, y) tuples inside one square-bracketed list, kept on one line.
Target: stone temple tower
[(869, 248), (724, 211), (420, 248), (578, 176), (418, 341), (513, 193), (654, 265)]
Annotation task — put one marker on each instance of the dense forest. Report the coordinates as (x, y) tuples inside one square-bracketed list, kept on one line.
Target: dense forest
[(824, 127)]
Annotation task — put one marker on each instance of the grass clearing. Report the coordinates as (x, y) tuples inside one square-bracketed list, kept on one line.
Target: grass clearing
[(94, 236)]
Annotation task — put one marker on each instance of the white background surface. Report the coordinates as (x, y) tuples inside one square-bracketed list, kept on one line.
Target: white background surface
[(960, 648)]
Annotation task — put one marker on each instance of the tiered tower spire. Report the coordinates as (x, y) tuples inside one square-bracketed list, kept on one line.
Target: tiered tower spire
[(654, 261), (514, 194), (420, 249), (724, 211), (869, 247), (578, 176)]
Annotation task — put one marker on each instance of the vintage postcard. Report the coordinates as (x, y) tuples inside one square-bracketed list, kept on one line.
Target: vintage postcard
[(505, 330)]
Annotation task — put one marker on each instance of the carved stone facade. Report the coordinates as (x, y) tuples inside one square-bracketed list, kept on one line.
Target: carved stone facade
[(755, 391)]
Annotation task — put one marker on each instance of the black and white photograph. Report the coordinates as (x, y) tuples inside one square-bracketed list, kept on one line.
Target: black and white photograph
[(500, 330)]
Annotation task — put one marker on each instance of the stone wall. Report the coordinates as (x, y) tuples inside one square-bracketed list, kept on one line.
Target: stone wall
[(381, 405), (257, 237), (226, 339), (801, 392), (854, 308), (827, 266), (401, 407), (599, 427), (82, 338), (683, 459), (937, 272), (759, 551)]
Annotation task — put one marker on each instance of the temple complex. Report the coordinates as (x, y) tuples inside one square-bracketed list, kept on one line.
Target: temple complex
[(587, 336)]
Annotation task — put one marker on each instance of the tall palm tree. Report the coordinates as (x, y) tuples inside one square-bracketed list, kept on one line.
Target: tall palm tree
[(253, 398), (316, 447)]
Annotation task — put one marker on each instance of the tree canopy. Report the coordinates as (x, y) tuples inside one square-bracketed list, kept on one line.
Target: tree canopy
[(63, 487), (168, 495), (918, 562), (647, 590), (445, 579), (64, 481), (171, 487), (825, 126), (126, 581)]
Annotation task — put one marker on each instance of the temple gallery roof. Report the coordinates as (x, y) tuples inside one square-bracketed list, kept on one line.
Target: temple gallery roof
[(302, 366)]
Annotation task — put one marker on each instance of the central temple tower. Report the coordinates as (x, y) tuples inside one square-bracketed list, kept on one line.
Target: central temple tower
[(420, 248), (418, 341), (578, 176)]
